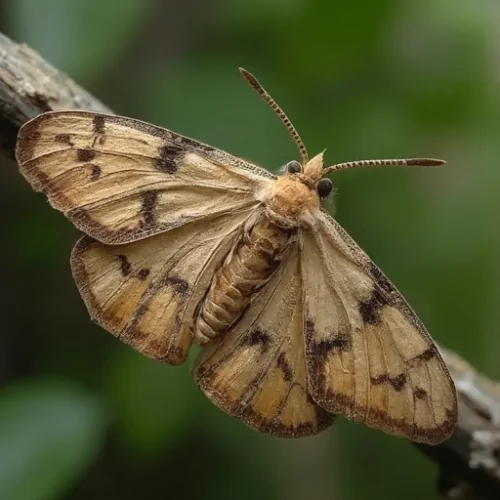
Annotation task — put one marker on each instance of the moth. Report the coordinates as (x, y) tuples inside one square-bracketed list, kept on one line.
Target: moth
[(185, 244)]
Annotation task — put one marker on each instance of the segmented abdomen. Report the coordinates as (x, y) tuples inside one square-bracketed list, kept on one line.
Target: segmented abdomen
[(245, 270)]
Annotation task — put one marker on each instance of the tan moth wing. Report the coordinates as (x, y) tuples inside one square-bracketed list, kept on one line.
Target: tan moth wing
[(146, 292), (257, 371), (119, 179), (368, 354)]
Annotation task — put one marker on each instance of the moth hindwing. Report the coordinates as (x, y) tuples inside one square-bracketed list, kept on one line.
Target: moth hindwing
[(185, 243)]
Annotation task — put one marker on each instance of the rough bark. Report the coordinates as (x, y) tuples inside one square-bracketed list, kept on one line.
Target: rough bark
[(469, 461), (29, 85)]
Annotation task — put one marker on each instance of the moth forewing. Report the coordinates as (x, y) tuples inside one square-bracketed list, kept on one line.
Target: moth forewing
[(119, 179), (369, 356)]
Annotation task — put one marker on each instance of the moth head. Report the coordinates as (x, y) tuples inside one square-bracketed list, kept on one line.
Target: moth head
[(311, 175)]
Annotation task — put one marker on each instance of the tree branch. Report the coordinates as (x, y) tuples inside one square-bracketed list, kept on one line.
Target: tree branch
[(29, 86), (469, 461)]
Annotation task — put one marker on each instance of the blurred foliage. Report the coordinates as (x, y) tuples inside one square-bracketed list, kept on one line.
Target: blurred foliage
[(82, 416), (45, 418)]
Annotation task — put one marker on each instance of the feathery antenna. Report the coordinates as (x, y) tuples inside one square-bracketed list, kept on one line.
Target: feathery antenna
[(281, 114), (408, 162)]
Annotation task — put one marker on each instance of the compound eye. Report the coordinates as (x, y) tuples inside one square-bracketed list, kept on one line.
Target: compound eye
[(293, 167), (324, 187)]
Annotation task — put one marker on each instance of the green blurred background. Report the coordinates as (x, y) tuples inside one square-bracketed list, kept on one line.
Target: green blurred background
[(84, 417)]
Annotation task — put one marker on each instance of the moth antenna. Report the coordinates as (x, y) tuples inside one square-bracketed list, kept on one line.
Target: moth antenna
[(403, 162), (254, 83)]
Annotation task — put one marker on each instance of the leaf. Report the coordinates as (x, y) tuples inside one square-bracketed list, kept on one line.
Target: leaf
[(50, 432)]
